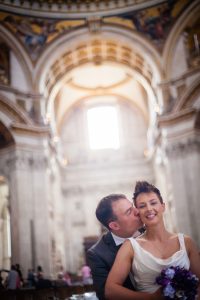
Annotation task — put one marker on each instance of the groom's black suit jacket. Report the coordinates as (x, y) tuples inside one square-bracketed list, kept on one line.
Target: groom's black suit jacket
[(101, 257)]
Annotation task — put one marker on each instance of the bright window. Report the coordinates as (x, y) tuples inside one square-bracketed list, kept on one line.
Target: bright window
[(103, 127)]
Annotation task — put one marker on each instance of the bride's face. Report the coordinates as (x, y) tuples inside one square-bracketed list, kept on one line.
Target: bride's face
[(150, 208)]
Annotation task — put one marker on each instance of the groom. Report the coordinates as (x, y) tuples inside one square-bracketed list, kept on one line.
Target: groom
[(120, 217)]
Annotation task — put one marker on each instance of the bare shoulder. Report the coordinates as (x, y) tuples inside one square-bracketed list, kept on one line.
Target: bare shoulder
[(188, 240), (190, 244), (126, 250), (127, 245)]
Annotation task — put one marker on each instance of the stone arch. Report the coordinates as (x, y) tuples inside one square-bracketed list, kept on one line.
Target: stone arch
[(192, 12), (73, 40), (188, 97), (98, 52), (79, 47), (21, 54), (122, 98), (144, 82), (11, 113), (79, 138), (197, 120)]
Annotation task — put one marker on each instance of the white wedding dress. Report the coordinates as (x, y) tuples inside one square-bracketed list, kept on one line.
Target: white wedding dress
[(146, 267)]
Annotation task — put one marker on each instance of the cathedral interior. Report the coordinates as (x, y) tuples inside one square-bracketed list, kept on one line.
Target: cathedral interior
[(90, 89)]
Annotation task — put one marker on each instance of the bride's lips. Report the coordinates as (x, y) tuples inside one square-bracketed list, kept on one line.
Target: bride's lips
[(150, 216)]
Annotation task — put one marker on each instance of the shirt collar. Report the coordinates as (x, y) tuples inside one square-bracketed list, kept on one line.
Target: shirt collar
[(119, 240)]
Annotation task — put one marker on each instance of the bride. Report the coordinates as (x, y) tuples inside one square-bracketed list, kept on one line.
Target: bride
[(154, 250)]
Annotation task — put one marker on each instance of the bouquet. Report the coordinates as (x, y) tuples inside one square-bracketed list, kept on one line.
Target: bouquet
[(178, 283)]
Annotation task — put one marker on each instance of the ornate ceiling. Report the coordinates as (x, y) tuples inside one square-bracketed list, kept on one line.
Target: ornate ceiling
[(96, 53), (36, 32), (74, 8), (76, 72)]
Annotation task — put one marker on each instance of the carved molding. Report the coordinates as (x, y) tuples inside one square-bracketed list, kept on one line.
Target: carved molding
[(176, 117), (31, 130), (74, 9), (19, 93), (6, 138), (74, 191), (183, 148), (94, 24), (24, 160), (188, 96), (182, 78), (13, 111), (97, 51)]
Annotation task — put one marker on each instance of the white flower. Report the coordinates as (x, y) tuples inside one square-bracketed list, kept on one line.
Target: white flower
[(180, 294), (170, 273)]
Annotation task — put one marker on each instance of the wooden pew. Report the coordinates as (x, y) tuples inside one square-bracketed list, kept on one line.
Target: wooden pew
[(52, 293)]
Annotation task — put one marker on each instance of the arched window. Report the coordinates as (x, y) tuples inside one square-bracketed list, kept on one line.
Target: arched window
[(103, 127)]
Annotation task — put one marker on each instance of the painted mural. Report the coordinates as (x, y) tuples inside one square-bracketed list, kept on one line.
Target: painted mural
[(35, 33), (155, 22), (192, 42), (4, 64)]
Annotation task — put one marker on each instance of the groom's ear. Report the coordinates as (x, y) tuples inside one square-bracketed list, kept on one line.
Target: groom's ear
[(113, 225)]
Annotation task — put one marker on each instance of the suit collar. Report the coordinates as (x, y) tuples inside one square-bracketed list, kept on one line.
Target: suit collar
[(109, 239), (118, 240)]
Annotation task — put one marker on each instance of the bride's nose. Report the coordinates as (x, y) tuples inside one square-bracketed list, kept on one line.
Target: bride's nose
[(148, 206)]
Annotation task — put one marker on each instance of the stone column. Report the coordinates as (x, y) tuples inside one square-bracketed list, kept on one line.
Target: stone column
[(25, 166), (181, 143), (29, 189), (163, 182), (184, 166)]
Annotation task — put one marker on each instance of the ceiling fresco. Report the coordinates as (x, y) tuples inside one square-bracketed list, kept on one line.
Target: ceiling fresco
[(36, 33), (153, 22), (4, 64), (192, 42)]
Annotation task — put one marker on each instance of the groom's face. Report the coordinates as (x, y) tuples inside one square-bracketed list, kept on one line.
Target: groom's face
[(127, 218)]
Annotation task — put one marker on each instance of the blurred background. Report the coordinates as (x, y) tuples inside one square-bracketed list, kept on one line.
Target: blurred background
[(94, 95)]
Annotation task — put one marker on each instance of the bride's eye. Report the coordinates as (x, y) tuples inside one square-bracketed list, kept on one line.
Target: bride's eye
[(154, 202), (141, 206)]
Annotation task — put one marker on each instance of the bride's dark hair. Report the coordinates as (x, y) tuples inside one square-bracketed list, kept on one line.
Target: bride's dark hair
[(145, 187)]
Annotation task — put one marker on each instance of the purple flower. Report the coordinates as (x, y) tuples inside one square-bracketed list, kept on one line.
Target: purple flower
[(178, 283), (181, 295), (169, 291), (170, 273)]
